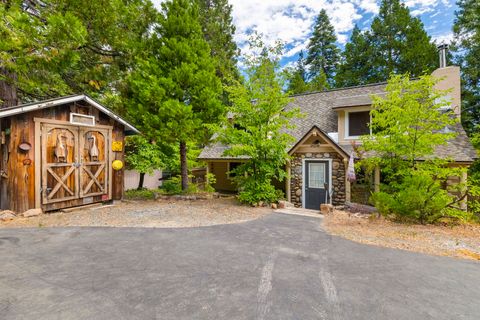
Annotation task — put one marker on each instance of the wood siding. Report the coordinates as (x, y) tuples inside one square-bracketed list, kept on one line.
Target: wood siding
[(223, 182)]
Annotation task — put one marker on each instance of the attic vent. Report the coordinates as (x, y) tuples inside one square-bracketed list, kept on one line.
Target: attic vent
[(82, 119)]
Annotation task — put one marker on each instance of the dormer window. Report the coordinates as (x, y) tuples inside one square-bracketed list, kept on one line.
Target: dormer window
[(357, 124)]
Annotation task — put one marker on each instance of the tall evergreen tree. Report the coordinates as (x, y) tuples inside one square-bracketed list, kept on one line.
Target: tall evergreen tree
[(400, 43), (55, 47), (297, 76), (175, 93), (323, 54), (467, 34), (355, 68), (218, 28)]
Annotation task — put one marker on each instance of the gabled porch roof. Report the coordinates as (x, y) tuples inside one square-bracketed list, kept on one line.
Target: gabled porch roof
[(316, 131)]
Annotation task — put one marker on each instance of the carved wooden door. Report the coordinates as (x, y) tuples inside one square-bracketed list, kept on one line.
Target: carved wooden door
[(75, 163), (60, 165), (94, 162)]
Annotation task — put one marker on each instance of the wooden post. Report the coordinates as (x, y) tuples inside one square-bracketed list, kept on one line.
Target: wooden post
[(377, 179), (206, 174), (348, 195), (287, 182)]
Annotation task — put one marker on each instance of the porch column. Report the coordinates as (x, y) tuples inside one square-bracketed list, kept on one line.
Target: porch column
[(288, 181), (463, 181), (206, 173), (377, 179), (347, 183)]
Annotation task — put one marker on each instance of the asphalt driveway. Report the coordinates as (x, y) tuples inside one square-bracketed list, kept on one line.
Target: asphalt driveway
[(276, 267)]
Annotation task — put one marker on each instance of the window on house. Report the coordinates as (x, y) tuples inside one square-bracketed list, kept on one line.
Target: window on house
[(358, 123), (231, 169)]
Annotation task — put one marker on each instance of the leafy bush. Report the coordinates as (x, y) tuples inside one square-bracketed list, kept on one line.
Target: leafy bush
[(418, 198), (210, 180), (254, 192), (172, 186), (474, 190), (142, 194), (192, 187), (384, 203)]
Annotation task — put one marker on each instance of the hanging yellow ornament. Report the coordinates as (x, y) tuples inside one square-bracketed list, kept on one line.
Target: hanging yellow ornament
[(117, 165)]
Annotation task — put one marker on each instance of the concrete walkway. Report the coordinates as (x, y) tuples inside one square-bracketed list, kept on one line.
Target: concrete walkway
[(278, 267)]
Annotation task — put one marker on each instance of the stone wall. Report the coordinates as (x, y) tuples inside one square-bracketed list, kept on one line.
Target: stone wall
[(338, 176)]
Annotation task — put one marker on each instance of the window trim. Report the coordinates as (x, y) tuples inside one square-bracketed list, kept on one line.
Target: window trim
[(347, 124)]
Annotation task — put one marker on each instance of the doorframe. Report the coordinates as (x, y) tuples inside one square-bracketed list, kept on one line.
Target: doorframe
[(329, 160)]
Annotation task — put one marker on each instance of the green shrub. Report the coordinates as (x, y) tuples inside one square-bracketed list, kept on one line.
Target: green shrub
[(142, 194), (192, 187), (418, 198), (210, 180), (253, 192), (384, 203), (172, 186)]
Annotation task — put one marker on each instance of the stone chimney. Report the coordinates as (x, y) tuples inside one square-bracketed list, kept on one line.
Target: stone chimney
[(449, 79)]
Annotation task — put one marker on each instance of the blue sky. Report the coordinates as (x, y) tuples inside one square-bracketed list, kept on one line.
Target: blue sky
[(291, 21)]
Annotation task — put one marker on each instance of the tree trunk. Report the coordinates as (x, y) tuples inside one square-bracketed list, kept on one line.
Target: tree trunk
[(183, 165), (8, 90), (8, 98), (140, 182)]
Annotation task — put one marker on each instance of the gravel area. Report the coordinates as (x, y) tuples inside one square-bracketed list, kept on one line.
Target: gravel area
[(159, 214), (461, 241)]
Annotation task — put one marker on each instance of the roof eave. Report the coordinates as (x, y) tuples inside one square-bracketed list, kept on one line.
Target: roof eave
[(8, 112)]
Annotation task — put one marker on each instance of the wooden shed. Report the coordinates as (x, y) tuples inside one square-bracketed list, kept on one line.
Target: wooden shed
[(59, 153)]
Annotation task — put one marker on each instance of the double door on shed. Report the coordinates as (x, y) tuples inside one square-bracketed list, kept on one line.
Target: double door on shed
[(75, 166)]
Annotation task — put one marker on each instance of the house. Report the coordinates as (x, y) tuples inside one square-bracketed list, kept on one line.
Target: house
[(60, 153), (323, 143)]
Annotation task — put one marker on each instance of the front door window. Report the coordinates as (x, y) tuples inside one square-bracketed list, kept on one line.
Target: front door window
[(316, 172)]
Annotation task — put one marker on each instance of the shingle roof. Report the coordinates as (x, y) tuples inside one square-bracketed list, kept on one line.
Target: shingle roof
[(458, 149), (318, 111), (318, 108)]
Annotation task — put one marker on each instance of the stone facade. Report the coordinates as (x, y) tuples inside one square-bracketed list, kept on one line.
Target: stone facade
[(338, 176)]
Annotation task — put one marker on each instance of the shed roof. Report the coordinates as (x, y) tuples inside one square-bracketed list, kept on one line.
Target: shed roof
[(24, 108)]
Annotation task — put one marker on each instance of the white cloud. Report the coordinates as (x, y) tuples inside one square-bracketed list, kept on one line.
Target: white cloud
[(443, 37), (291, 21)]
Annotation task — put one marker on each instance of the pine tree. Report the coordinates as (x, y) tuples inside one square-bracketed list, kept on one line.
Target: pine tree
[(467, 32), (218, 28), (297, 77), (355, 68), (56, 47), (174, 93), (400, 43), (323, 54)]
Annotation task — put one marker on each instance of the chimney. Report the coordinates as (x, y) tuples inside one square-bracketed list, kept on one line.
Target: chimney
[(442, 54), (449, 79)]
